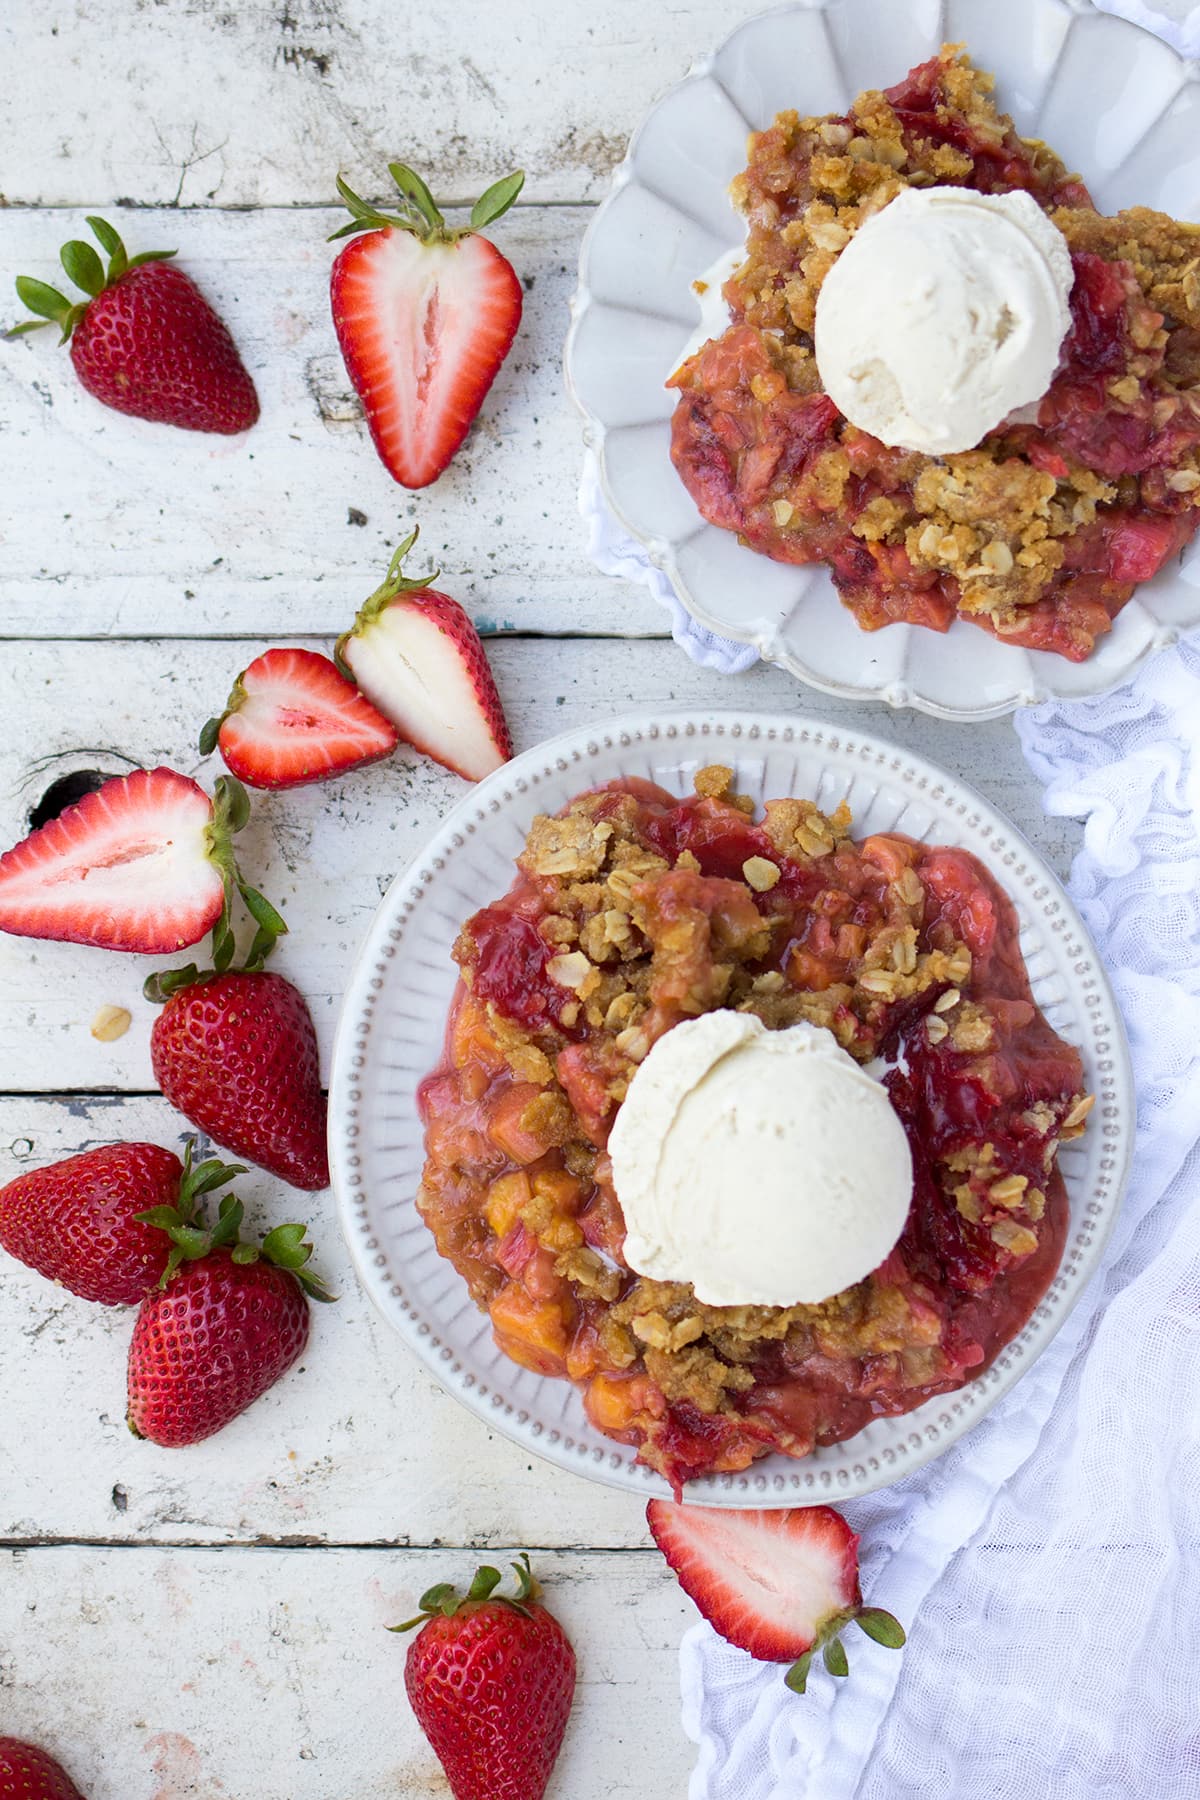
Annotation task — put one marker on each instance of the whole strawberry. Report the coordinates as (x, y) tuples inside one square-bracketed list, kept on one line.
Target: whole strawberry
[(77, 1222), (227, 1321), (237, 1054), (491, 1681), (27, 1773), (145, 341)]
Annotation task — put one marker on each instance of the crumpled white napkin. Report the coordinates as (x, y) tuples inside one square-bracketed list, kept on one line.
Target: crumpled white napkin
[(1048, 1566)]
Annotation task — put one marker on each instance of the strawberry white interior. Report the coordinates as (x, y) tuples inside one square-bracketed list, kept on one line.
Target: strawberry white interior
[(421, 316), (792, 1582)]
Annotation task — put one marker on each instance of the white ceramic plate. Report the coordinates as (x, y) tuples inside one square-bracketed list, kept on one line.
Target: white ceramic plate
[(393, 1023), (1115, 103)]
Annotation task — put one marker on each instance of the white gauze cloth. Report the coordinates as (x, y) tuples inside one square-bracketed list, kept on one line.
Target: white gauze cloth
[(1048, 1566)]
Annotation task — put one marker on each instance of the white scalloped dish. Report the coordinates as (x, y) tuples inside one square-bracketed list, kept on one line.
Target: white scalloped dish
[(1113, 101), (392, 1025)]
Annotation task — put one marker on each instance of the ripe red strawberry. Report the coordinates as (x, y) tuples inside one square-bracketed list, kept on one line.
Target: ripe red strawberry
[(77, 1222), (418, 658), (228, 1319), (144, 863), (779, 1584), (145, 341), (237, 1054), (293, 718), (27, 1773), (491, 1681), (425, 315)]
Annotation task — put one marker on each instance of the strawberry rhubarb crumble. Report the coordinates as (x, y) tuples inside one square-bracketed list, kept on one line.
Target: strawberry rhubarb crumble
[(1040, 530), (634, 912)]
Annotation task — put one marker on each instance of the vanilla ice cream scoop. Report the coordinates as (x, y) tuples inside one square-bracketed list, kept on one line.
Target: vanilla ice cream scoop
[(764, 1167), (945, 313)]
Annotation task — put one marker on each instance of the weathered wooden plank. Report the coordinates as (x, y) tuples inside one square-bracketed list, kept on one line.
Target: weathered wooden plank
[(327, 853), (294, 90), (269, 1673), (113, 527), (262, 104), (357, 1446)]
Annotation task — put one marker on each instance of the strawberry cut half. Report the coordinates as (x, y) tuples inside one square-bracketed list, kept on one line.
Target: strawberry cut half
[(778, 1584), (293, 718), (425, 315), (138, 865), (418, 658)]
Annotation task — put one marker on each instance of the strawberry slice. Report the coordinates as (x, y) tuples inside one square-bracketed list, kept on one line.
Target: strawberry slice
[(293, 718), (144, 863), (419, 659), (425, 315), (779, 1584)]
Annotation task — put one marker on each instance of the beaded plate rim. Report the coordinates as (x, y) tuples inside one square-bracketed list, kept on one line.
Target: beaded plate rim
[(889, 1448)]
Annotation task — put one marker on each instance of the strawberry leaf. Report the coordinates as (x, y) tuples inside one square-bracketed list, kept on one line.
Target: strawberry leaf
[(208, 736), (159, 987), (881, 1626), (83, 266), (486, 1581), (135, 262), (438, 1598), (497, 200), (165, 1217), (262, 912), (228, 1225), (285, 1246), (231, 803), (42, 299), (835, 1658), (414, 189), (797, 1676), (224, 946), (110, 242), (244, 1254)]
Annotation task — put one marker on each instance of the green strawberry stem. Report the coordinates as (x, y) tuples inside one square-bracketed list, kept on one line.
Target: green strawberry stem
[(877, 1624), (444, 1600), (85, 269), (417, 211), (394, 584), (191, 1239), (231, 811)]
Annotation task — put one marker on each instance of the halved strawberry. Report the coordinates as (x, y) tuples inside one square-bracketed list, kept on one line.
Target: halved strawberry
[(293, 718), (418, 658), (779, 1584), (425, 315), (144, 863)]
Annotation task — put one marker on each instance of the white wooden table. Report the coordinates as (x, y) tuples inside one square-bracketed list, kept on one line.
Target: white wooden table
[(207, 1623)]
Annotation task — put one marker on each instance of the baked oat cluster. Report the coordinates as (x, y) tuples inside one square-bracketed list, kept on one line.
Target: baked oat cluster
[(633, 911), (1042, 532)]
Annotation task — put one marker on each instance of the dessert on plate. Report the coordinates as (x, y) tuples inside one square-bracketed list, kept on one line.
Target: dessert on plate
[(747, 1127), (945, 374)]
